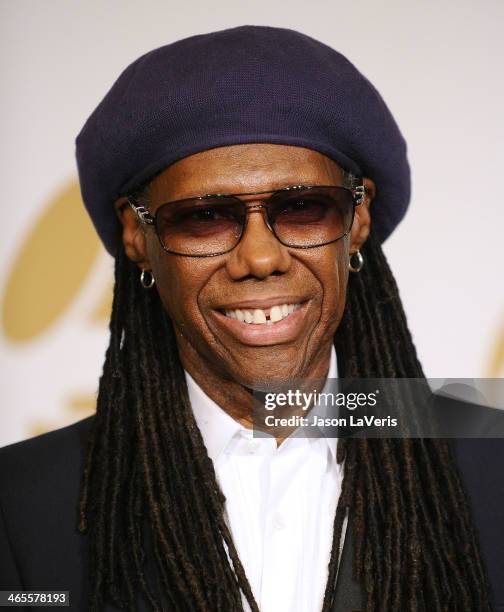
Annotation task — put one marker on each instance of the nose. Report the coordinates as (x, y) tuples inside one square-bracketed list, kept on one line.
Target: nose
[(259, 253)]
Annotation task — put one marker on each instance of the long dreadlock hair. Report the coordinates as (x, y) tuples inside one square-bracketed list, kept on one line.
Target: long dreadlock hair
[(151, 504)]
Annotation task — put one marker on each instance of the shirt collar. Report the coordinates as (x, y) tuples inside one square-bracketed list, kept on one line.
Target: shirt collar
[(332, 374), (218, 428)]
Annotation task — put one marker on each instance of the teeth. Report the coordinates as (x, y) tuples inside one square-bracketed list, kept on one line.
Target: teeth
[(258, 316), (276, 314)]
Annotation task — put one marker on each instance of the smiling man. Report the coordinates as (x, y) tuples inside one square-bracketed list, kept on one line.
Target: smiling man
[(223, 306), (244, 181)]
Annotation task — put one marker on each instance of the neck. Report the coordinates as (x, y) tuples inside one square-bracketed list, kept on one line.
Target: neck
[(236, 399)]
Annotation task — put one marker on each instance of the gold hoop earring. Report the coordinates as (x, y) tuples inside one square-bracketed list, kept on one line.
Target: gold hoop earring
[(147, 283), (356, 262)]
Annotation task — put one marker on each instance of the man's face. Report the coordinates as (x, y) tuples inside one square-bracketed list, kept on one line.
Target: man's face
[(257, 274)]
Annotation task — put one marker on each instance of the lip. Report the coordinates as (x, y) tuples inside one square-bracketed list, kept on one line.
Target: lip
[(264, 335)]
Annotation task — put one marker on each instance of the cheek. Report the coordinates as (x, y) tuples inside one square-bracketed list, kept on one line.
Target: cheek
[(179, 282), (334, 279)]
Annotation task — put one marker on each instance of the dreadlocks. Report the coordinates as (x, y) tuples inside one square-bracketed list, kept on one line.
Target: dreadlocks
[(150, 498)]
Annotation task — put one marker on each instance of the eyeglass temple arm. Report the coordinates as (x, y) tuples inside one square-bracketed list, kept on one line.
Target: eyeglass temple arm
[(359, 194), (142, 213)]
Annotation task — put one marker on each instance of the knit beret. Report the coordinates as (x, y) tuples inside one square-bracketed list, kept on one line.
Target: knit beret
[(250, 84)]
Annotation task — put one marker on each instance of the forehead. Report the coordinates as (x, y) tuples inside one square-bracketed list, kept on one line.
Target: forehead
[(244, 168)]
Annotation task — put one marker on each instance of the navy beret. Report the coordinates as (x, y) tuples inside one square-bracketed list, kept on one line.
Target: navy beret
[(250, 84)]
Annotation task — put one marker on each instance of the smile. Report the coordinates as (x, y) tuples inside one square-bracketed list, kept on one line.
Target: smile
[(262, 316), (264, 324)]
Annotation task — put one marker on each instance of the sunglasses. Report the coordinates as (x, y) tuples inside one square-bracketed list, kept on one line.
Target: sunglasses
[(301, 217)]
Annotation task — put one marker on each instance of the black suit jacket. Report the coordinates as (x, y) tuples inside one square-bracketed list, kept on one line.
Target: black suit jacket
[(40, 548)]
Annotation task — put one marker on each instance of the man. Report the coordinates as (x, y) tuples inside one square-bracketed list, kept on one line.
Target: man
[(244, 166)]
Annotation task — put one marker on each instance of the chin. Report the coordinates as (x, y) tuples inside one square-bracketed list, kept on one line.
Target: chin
[(262, 368)]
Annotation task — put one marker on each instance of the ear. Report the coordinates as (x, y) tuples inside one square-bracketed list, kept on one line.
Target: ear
[(362, 220), (132, 234)]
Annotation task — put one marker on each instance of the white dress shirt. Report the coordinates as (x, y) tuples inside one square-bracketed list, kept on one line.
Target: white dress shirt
[(280, 504)]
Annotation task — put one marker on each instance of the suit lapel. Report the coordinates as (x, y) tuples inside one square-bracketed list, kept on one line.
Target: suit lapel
[(349, 595)]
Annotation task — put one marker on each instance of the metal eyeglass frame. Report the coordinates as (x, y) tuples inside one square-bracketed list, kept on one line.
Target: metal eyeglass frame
[(358, 195)]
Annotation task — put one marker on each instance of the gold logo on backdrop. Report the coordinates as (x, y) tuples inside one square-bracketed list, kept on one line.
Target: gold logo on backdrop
[(49, 272), (496, 362), (51, 267)]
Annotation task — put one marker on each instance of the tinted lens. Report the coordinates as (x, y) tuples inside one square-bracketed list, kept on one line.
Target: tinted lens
[(310, 217), (200, 226)]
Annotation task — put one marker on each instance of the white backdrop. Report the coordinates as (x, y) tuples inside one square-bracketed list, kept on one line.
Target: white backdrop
[(438, 66)]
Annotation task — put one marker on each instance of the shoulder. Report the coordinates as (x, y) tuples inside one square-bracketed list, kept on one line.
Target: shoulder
[(480, 462), (50, 440), (39, 474), (43, 459), (41, 547)]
